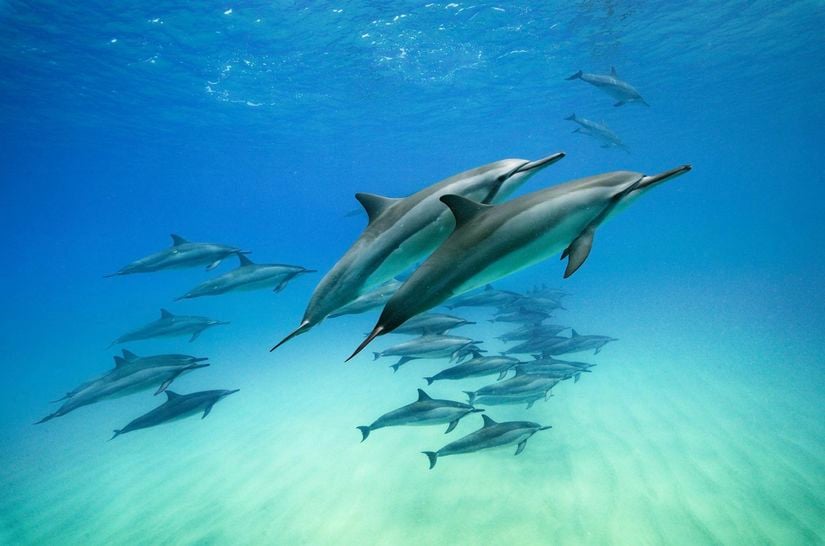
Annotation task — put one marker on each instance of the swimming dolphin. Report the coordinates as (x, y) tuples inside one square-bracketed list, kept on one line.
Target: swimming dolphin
[(620, 90), (429, 346), (522, 316), (492, 434), (489, 297), (431, 323), (537, 344), (181, 254), (402, 231), (532, 331), (248, 276), (478, 366), (491, 242), (127, 378), (529, 398), (177, 406), (577, 343), (369, 300), (522, 383), (598, 131), (169, 325), (424, 411)]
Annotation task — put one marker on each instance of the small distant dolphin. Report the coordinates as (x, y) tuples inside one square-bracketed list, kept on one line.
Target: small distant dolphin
[(431, 323), (620, 90), (369, 300), (531, 331), (492, 434), (429, 346), (523, 316), (489, 297), (577, 343), (177, 406), (599, 131), (490, 242), (522, 383), (478, 366), (535, 345), (169, 325), (248, 276), (181, 254), (529, 398), (127, 378), (402, 231), (424, 411)]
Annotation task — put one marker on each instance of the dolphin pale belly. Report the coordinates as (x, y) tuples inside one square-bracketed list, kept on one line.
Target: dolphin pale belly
[(620, 90), (181, 254), (491, 242), (402, 231)]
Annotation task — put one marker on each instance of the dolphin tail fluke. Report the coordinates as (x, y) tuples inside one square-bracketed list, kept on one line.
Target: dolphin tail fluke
[(377, 331), (429, 380), (576, 76), (471, 396), (302, 328), (375, 356), (365, 432), (432, 456), (117, 432)]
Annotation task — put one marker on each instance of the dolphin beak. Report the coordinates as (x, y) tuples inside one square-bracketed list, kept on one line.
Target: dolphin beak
[(539, 163), (652, 180), (200, 359), (196, 366), (233, 391)]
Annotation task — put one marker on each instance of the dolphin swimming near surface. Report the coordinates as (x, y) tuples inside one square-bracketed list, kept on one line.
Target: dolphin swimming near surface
[(491, 242), (181, 254), (620, 90), (127, 378), (492, 434), (598, 131), (248, 276), (177, 406), (169, 325), (373, 299), (424, 411), (402, 231)]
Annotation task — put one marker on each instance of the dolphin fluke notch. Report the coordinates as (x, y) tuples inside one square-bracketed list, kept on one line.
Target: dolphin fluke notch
[(377, 331), (303, 328)]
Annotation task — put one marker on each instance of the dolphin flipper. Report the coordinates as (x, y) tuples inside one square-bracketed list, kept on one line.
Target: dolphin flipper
[(451, 426), (206, 412), (578, 251), (502, 375), (520, 447), (195, 336), (213, 265), (576, 377)]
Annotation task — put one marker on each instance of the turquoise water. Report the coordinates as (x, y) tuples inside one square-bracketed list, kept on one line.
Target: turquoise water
[(254, 124)]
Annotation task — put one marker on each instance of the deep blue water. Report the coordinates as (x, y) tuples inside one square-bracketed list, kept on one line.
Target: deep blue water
[(255, 123)]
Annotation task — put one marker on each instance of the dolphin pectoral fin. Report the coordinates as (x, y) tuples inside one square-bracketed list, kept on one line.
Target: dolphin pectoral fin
[(213, 265), (502, 375), (165, 384), (576, 377), (195, 336), (281, 286), (620, 103), (578, 251), (521, 446), (451, 426), (432, 456), (530, 404), (206, 412)]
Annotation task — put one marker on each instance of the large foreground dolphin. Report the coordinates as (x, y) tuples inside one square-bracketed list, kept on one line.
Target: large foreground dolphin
[(620, 90), (181, 254), (248, 276), (177, 406), (402, 231), (492, 434), (170, 325), (490, 242)]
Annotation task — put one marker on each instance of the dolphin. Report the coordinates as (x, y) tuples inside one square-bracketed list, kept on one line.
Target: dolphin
[(620, 90), (522, 383), (169, 325), (551, 371), (522, 316), (598, 131), (370, 300), (429, 346), (478, 366), (431, 323), (125, 379), (489, 297), (181, 254), (424, 411), (402, 231), (530, 398), (177, 406), (577, 343), (492, 434), (491, 242), (532, 331), (248, 276), (535, 345)]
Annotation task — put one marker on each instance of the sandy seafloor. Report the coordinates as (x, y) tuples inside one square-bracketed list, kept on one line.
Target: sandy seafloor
[(690, 431)]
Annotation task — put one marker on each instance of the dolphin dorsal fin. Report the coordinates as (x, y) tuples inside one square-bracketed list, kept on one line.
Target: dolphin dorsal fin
[(120, 361), (422, 396), (171, 395), (374, 205), (488, 422), (573, 333), (128, 355), (177, 240), (463, 209), (165, 314), (243, 260), (613, 72)]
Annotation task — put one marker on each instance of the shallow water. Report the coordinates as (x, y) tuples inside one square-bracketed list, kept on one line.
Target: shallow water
[(703, 424)]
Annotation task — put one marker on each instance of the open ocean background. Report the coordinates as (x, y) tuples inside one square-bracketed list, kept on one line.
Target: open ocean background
[(254, 123)]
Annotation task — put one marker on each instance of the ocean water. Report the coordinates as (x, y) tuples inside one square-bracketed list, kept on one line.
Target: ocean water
[(254, 123)]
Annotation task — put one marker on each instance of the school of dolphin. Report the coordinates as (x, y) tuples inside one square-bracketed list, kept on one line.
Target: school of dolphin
[(441, 246)]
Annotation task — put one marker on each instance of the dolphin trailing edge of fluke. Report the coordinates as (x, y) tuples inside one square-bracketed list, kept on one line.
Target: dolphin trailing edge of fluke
[(374, 334), (301, 329), (365, 432)]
